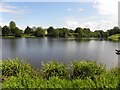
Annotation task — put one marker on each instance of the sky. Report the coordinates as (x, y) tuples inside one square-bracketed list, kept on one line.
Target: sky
[(93, 14)]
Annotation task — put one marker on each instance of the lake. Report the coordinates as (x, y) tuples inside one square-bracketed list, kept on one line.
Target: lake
[(37, 50)]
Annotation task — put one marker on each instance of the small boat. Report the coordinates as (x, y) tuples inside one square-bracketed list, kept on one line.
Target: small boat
[(117, 52)]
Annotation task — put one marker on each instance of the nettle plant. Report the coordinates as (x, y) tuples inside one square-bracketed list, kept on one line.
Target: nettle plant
[(54, 68), (84, 69), (15, 67)]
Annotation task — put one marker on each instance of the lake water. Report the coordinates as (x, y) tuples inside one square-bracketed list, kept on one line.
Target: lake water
[(37, 50)]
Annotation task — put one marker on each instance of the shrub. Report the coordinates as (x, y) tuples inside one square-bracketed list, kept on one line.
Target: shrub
[(83, 69), (10, 67), (53, 68), (84, 74), (15, 67)]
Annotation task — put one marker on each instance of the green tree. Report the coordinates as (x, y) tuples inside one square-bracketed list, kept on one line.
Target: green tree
[(55, 33), (63, 32), (79, 31), (113, 31), (18, 32), (39, 32), (12, 26), (28, 30), (50, 30), (6, 31), (0, 30)]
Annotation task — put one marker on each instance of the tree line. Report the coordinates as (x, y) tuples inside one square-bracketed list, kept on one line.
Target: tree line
[(13, 30)]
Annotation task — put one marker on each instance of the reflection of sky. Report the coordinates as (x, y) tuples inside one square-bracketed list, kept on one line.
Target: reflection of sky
[(42, 49)]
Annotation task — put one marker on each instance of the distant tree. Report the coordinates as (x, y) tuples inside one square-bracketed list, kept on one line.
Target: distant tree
[(86, 32), (71, 31), (63, 32), (50, 30), (39, 32), (33, 28), (6, 31), (18, 32), (28, 30), (79, 31), (113, 31), (0, 30), (106, 34), (12, 26), (55, 33)]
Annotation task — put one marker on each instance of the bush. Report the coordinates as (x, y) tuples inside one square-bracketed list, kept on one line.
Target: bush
[(15, 67), (39, 32), (84, 69), (84, 74), (10, 67), (53, 68)]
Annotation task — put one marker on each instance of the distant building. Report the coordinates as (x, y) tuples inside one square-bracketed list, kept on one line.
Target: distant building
[(46, 32)]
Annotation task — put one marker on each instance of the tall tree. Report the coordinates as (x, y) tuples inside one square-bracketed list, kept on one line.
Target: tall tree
[(79, 31), (28, 30), (50, 30), (6, 31), (12, 26), (18, 32), (0, 30), (39, 32), (55, 33)]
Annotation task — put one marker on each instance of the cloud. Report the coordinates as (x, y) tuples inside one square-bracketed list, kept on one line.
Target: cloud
[(80, 9), (7, 8), (69, 9), (107, 17), (94, 23), (108, 8)]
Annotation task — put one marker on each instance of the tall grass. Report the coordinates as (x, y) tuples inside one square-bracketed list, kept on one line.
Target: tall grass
[(79, 74)]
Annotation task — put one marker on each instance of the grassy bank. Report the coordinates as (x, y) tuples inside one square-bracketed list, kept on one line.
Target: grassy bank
[(79, 74), (24, 36), (115, 37)]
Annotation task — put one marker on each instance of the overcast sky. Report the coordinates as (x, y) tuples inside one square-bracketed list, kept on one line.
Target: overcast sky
[(93, 14)]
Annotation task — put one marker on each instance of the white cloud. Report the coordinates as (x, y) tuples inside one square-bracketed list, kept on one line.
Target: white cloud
[(5, 7), (107, 16), (69, 9), (80, 9), (108, 8)]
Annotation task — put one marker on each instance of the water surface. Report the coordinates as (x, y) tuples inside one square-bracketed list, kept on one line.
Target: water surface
[(37, 50)]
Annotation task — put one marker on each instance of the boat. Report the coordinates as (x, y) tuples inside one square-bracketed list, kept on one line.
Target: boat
[(117, 52)]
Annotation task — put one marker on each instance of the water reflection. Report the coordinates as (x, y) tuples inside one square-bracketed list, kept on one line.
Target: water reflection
[(64, 50)]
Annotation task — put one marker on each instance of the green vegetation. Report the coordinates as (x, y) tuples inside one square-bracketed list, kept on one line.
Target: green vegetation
[(79, 74), (115, 37), (79, 33)]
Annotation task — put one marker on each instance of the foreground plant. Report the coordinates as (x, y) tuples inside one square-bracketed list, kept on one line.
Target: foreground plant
[(83, 74), (84, 69), (53, 68)]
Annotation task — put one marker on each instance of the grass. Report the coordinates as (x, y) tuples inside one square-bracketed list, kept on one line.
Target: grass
[(28, 36), (7, 36), (115, 37), (79, 74)]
